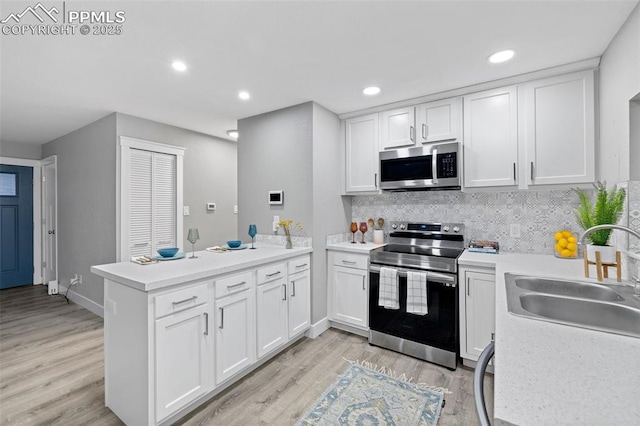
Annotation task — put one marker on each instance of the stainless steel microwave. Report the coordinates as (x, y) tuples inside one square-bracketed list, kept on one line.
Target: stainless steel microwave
[(424, 168)]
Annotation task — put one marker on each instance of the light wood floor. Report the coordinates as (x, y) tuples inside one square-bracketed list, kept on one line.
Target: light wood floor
[(51, 372)]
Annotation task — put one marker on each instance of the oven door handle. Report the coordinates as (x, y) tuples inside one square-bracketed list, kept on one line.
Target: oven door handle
[(431, 276)]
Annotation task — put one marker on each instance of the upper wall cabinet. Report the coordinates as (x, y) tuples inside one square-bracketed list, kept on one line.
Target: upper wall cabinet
[(559, 129), (430, 122), (491, 138), (361, 154)]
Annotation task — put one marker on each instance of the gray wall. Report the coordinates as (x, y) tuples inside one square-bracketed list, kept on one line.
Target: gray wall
[(21, 150), (210, 169), (634, 139), (331, 211), (86, 203), (619, 83), (275, 152)]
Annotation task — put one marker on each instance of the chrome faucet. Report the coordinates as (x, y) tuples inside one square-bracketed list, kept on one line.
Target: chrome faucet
[(600, 227)]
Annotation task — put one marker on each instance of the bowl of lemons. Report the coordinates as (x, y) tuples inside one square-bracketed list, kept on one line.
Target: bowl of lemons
[(566, 245)]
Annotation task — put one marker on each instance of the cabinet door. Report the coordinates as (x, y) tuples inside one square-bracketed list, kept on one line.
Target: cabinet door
[(560, 129), (491, 138), (480, 311), (183, 359), (235, 334), (439, 121), (298, 292), (350, 296), (271, 322), (361, 154), (397, 128)]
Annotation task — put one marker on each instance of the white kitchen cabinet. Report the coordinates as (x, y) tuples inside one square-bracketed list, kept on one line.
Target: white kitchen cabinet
[(397, 128), (184, 354), (559, 129), (491, 138), (271, 308), (361, 154), (477, 311), (348, 289), (299, 302), (235, 333), (439, 121)]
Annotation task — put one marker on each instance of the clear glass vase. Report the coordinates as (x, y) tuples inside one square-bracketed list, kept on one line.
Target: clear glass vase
[(287, 233)]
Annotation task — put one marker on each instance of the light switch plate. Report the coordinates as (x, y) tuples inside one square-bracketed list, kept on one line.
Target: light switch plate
[(185, 210)]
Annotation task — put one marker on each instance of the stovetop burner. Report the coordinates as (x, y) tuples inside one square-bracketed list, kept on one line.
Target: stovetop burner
[(426, 245)]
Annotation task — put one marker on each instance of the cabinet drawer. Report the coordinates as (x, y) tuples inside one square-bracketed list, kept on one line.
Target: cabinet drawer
[(298, 265), (270, 273), (233, 284), (180, 300), (350, 260)]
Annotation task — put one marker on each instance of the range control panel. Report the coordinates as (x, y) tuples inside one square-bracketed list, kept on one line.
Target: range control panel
[(428, 227)]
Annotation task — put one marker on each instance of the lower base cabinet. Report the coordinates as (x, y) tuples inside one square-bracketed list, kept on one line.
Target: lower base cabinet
[(349, 289), (477, 311), (166, 350)]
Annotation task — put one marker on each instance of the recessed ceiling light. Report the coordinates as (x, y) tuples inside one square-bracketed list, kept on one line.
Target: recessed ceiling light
[(233, 133), (179, 66), (502, 56), (244, 95), (372, 90)]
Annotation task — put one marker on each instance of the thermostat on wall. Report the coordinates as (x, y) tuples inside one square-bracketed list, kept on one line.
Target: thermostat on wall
[(276, 197)]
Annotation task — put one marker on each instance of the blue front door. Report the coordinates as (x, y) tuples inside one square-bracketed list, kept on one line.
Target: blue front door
[(16, 226)]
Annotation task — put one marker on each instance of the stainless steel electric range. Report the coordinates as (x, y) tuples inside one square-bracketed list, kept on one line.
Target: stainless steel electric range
[(431, 248)]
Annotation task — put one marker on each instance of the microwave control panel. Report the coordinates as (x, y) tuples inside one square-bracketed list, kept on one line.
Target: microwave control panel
[(447, 165)]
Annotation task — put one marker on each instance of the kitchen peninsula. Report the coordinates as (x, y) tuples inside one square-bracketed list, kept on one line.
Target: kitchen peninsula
[(178, 332)]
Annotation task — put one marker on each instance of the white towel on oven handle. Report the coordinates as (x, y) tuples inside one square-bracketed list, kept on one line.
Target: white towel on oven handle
[(417, 302), (388, 296)]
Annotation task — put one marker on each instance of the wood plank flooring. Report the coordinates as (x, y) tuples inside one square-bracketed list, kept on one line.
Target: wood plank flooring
[(51, 372)]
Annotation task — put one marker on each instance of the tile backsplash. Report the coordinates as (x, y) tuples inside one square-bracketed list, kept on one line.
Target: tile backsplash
[(486, 215)]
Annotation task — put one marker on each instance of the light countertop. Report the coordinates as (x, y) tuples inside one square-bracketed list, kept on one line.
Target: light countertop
[(171, 272), (354, 248), (552, 374)]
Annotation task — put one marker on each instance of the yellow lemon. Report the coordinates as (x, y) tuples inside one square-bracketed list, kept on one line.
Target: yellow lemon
[(562, 242), (571, 246), (566, 233), (565, 253), (572, 239), (558, 235), (558, 248)]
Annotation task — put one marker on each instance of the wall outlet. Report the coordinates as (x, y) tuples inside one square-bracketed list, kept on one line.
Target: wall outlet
[(235, 209), (211, 206), (185, 211), (514, 230)]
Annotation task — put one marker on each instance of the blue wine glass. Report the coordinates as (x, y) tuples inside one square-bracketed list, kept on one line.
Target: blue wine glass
[(253, 231)]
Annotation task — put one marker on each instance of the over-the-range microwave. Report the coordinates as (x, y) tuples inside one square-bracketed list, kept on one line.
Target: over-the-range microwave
[(429, 167)]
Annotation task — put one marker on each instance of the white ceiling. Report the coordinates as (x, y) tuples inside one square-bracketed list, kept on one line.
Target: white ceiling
[(283, 53)]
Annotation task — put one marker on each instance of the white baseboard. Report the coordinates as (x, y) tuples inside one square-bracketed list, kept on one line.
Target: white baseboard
[(318, 328), (83, 301)]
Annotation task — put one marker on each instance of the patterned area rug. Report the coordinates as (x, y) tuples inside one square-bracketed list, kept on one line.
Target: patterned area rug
[(363, 397)]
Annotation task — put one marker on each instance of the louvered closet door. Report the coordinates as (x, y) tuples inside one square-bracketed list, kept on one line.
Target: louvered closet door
[(140, 203), (152, 202), (164, 201)]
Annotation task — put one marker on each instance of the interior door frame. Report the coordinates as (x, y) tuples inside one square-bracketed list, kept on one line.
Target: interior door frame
[(53, 159), (37, 210)]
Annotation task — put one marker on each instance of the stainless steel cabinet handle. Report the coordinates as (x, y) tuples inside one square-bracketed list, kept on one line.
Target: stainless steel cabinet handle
[(468, 286), (424, 131), (349, 262), (514, 173), (375, 179), (364, 286), (434, 165), (185, 300), (284, 287), (206, 324), (532, 170), (164, 242), (135, 245), (493, 337), (274, 274), (301, 266), (221, 318), (236, 285), (412, 133), (293, 288)]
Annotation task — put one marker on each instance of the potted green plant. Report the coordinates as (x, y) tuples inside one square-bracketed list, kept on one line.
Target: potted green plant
[(605, 208)]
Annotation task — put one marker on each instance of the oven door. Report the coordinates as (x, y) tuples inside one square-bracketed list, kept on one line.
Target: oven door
[(438, 328)]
